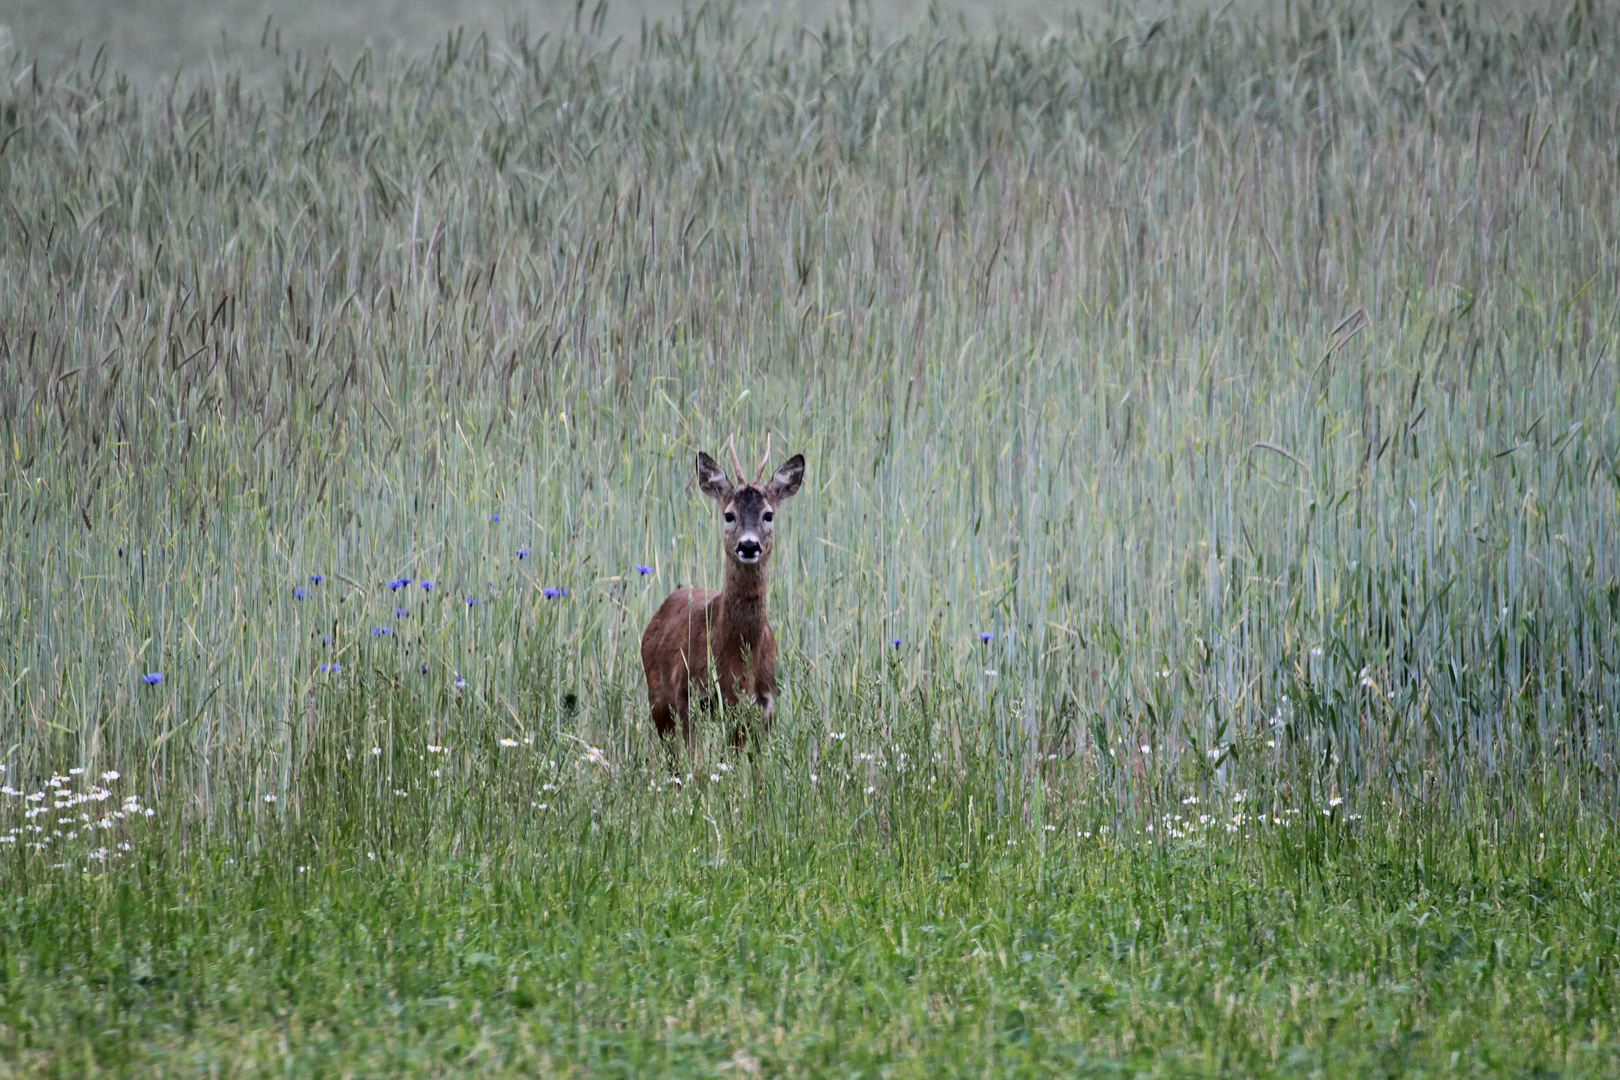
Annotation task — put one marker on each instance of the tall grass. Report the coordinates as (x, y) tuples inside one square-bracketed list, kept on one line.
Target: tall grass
[(1243, 377), (1250, 381)]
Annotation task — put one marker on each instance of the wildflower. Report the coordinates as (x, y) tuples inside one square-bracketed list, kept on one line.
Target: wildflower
[(523, 553), (435, 749), (401, 613), (494, 517), (1145, 749), (1335, 801), (550, 592), (76, 771), (381, 631), (839, 736), (333, 668), (471, 600), (111, 774), (594, 754), (870, 789), (316, 579), (376, 750), (986, 635), (435, 772), (423, 669), (509, 742), (270, 798), (299, 592), (427, 586), (714, 776), (896, 642), (460, 683), (538, 805), (643, 570), (397, 583), (152, 678)]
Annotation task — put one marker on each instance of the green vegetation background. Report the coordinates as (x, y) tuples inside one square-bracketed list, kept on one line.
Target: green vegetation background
[(1249, 377)]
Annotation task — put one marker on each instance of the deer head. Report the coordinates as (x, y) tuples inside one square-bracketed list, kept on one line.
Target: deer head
[(748, 508)]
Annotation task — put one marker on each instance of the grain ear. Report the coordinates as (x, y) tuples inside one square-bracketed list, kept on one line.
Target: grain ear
[(711, 478)]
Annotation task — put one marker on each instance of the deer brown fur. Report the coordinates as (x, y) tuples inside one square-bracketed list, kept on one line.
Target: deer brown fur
[(700, 640)]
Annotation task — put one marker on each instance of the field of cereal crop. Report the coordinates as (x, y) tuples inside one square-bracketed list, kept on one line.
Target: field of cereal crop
[(1198, 624)]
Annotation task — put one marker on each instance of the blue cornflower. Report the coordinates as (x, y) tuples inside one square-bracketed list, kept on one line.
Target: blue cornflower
[(152, 678), (523, 553), (986, 635), (549, 592), (471, 600), (379, 631), (325, 640), (643, 570), (299, 592), (494, 517), (896, 643), (333, 667), (397, 583), (316, 579), (427, 586), (401, 613)]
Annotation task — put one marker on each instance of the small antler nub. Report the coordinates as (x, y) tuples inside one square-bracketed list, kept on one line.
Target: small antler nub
[(736, 466), (764, 461)]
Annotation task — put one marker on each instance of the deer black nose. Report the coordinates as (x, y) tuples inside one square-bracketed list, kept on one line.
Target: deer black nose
[(748, 550)]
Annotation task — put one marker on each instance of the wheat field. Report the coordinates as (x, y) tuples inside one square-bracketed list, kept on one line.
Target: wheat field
[(1197, 624)]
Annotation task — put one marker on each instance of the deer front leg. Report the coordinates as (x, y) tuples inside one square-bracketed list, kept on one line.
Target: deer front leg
[(756, 726)]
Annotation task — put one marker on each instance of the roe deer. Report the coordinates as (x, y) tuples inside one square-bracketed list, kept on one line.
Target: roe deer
[(699, 639)]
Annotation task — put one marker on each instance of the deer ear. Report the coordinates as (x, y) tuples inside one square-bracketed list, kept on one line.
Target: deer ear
[(711, 478), (784, 483)]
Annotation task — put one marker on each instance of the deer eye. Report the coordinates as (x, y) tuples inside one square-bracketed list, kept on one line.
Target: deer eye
[(769, 516), (730, 516)]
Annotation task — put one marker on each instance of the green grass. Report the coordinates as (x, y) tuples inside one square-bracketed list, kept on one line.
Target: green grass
[(1250, 378), (684, 935)]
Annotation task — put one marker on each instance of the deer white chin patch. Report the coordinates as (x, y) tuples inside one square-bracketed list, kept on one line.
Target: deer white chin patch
[(747, 558)]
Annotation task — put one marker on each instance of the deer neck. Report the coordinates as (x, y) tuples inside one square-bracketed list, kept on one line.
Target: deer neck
[(742, 601)]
